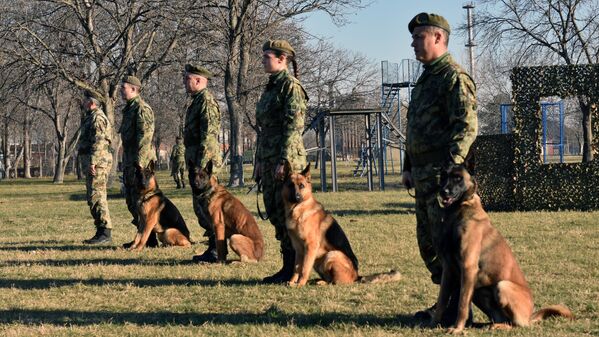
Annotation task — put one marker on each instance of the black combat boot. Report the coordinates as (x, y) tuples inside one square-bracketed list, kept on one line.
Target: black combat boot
[(210, 255), (102, 236), (283, 275)]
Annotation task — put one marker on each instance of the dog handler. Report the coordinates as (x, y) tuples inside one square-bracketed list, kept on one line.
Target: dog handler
[(280, 119), (95, 155), (442, 125), (137, 130), (200, 136)]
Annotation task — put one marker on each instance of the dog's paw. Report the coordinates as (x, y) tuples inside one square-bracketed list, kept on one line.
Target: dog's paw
[(293, 284), (456, 331)]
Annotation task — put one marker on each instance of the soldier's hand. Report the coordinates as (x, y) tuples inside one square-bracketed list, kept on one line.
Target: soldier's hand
[(92, 170), (407, 180), (257, 171), (280, 172)]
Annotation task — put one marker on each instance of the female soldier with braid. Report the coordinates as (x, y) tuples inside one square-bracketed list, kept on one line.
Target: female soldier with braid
[(280, 119)]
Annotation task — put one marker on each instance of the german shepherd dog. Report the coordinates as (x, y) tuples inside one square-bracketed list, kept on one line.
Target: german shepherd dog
[(157, 214), (229, 217), (317, 238), (477, 260)]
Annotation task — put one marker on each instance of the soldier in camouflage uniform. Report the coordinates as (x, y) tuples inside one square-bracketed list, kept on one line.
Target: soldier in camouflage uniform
[(96, 160), (137, 130), (178, 162), (442, 125), (202, 127), (280, 119)]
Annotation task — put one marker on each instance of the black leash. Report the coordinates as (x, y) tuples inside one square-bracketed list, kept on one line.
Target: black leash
[(258, 187)]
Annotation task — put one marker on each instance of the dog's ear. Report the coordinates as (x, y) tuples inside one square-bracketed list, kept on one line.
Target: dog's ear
[(306, 172), (151, 166), (209, 167), (470, 160)]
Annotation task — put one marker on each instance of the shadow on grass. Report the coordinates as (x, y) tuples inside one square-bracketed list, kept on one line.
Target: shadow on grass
[(359, 212), (83, 197), (87, 262), (27, 247), (141, 283), (271, 316)]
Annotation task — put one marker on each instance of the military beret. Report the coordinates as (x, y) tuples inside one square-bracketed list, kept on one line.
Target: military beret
[(279, 45), (426, 19), (195, 69), (93, 94), (132, 80)]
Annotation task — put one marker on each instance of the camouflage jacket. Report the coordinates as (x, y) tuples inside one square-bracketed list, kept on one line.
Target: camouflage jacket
[(280, 119), (137, 130), (202, 127), (178, 154), (442, 120), (95, 138)]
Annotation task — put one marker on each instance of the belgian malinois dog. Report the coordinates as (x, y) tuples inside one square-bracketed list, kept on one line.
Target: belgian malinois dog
[(230, 218), (478, 260), (157, 214), (317, 238)]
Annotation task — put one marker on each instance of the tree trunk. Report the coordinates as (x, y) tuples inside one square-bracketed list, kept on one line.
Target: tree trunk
[(587, 130), (231, 87), (6, 149), (60, 164), (27, 146)]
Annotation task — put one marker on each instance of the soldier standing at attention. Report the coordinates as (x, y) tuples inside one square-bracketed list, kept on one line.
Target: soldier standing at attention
[(280, 119), (442, 125), (202, 127), (137, 130), (96, 160), (178, 162)]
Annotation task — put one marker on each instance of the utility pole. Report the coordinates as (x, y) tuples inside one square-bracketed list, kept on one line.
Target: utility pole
[(469, 7)]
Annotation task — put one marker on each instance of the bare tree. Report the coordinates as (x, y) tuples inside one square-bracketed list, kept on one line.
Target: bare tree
[(244, 24), (551, 31)]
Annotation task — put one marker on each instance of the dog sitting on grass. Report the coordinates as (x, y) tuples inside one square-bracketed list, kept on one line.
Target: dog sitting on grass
[(230, 219), (157, 214), (317, 238), (478, 261)]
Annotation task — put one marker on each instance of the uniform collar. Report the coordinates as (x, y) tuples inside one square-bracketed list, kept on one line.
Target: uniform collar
[(133, 100), (198, 93), (439, 63), (277, 77)]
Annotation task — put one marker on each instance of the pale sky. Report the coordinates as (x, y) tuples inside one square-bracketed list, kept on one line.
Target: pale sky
[(380, 31)]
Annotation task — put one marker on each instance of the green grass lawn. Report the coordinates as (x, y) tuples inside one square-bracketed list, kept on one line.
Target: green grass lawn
[(51, 284)]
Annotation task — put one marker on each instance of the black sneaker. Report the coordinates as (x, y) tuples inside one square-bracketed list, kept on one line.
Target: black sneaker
[(102, 236), (425, 315)]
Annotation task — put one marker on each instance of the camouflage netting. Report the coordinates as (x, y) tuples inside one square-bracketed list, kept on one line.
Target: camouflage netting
[(494, 171), (538, 186)]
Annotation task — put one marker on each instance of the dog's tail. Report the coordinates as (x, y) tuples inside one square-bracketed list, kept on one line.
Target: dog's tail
[(390, 276), (551, 311)]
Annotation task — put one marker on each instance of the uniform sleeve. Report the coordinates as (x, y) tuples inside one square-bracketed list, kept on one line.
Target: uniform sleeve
[(145, 132), (293, 119), (213, 115), (462, 117), (100, 145)]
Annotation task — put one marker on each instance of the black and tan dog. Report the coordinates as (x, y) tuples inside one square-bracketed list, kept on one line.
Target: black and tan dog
[(230, 218), (478, 261), (157, 214), (317, 238)]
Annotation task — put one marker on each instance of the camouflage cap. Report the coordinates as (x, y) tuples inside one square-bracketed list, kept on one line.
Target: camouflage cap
[(93, 94), (198, 70), (279, 45), (426, 19), (132, 80)]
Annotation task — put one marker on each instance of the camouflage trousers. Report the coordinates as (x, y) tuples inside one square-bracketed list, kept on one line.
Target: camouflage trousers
[(96, 193), (131, 195), (200, 208), (428, 215), (273, 201), (178, 173)]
